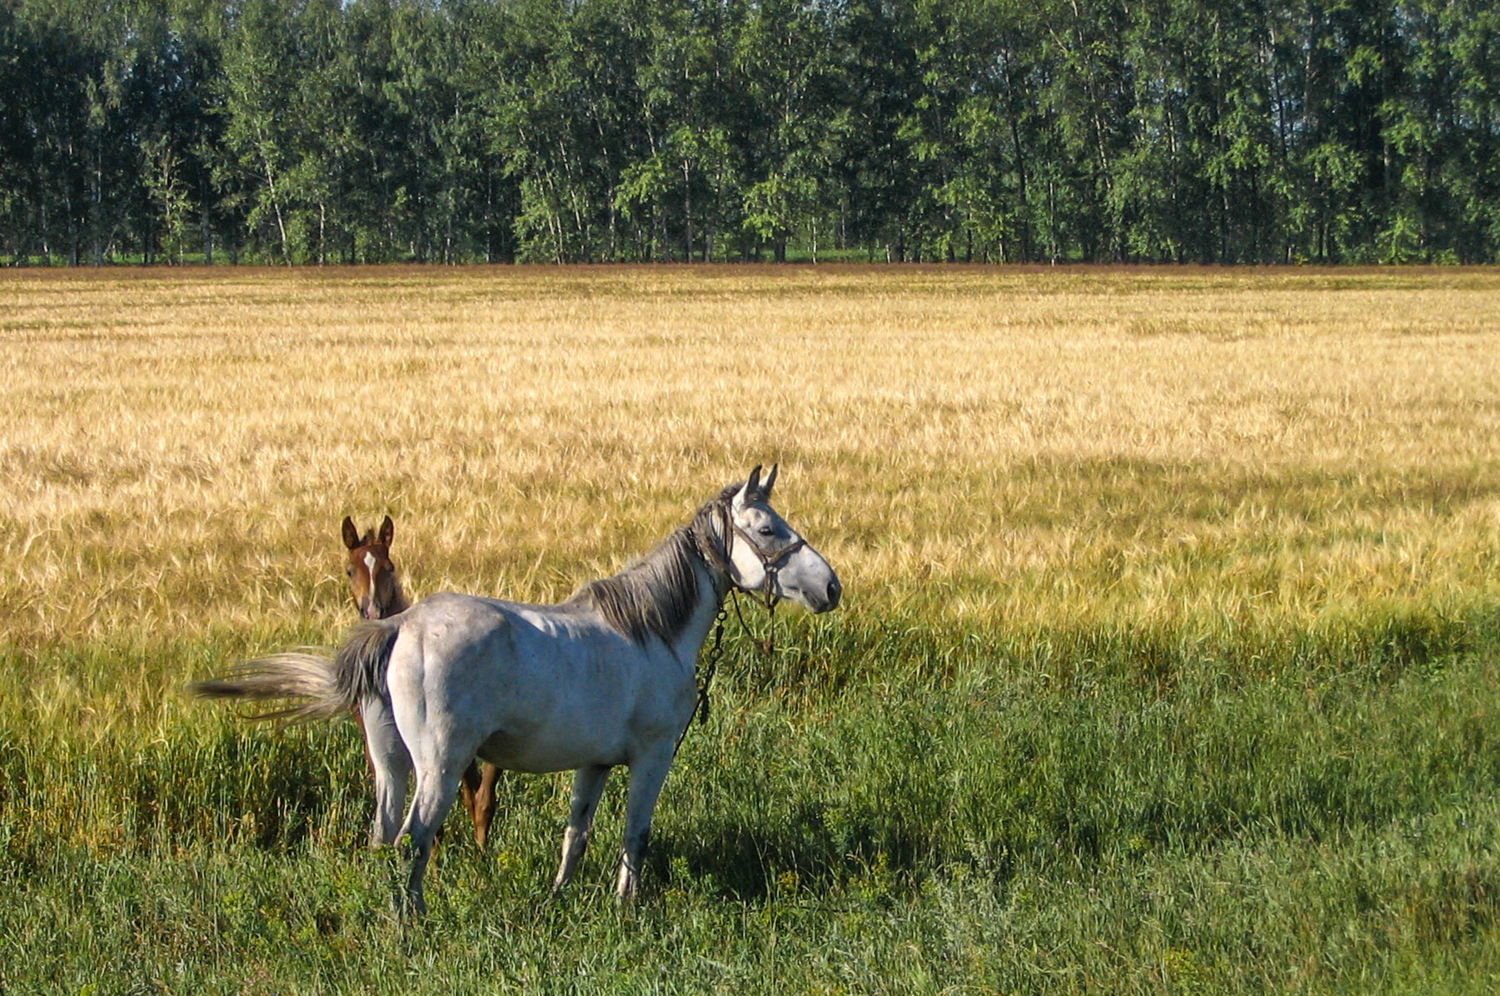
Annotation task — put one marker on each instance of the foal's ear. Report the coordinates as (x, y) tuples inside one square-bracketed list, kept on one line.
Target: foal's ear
[(351, 533), (387, 531)]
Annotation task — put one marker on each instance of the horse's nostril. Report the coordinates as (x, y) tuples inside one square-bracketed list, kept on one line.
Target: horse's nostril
[(834, 591)]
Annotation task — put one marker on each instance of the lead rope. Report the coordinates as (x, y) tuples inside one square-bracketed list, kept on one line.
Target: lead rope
[(707, 675), (768, 645)]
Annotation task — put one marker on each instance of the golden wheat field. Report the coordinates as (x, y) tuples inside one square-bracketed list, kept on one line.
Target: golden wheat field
[(990, 445)]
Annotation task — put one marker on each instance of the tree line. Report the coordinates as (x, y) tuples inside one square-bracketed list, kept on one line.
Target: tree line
[(319, 131)]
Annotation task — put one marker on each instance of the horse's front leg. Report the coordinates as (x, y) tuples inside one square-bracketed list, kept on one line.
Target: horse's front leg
[(588, 786), (647, 774)]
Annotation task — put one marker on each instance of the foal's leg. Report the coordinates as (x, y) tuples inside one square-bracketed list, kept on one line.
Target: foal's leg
[(469, 790), (588, 786), (359, 720), (392, 766), (478, 796), (483, 812), (647, 773)]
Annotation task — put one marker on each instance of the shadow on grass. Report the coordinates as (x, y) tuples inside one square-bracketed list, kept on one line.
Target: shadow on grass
[(822, 850)]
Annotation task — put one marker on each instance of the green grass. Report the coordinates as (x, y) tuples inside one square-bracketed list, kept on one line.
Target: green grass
[(947, 816)]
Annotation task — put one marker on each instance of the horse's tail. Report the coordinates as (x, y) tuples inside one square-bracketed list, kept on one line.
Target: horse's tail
[(328, 686)]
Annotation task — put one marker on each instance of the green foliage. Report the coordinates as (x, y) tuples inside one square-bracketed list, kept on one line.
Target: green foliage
[(989, 130)]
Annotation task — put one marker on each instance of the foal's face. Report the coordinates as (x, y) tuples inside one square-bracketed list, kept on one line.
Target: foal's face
[(801, 576), (372, 576)]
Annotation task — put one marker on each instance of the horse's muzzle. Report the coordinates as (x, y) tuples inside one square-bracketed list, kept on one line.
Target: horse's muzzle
[(830, 599)]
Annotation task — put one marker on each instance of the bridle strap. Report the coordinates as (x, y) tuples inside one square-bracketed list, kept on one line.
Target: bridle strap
[(770, 562), (770, 565), (722, 560), (706, 678)]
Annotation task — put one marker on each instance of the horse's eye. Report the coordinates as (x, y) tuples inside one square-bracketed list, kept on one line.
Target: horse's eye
[(767, 531), (349, 572)]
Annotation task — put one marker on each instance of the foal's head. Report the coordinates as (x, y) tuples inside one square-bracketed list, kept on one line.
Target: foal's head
[(372, 576)]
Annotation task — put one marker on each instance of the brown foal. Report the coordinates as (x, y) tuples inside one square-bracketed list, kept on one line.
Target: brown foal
[(378, 594)]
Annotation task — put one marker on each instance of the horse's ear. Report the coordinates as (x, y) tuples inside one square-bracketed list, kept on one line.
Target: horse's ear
[(752, 487), (351, 533), (770, 482), (387, 531)]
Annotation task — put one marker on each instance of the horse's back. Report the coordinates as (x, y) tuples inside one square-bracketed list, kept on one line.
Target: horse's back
[(456, 627)]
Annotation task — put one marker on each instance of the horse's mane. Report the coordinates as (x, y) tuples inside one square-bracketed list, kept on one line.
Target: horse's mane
[(658, 594)]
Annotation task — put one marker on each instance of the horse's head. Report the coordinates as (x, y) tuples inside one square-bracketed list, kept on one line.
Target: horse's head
[(768, 557), (372, 576)]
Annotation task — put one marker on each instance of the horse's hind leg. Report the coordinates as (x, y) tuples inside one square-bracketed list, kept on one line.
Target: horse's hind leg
[(442, 740), (439, 764), (437, 787), (588, 786), (392, 766)]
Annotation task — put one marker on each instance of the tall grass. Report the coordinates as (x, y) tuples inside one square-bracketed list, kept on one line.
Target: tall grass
[(1167, 662)]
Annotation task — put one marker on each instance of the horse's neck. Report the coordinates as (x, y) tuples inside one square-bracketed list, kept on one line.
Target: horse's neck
[(695, 632), (713, 585)]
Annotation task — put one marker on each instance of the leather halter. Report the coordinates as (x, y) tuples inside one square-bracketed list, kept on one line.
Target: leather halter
[(770, 562), (723, 562), (723, 559)]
